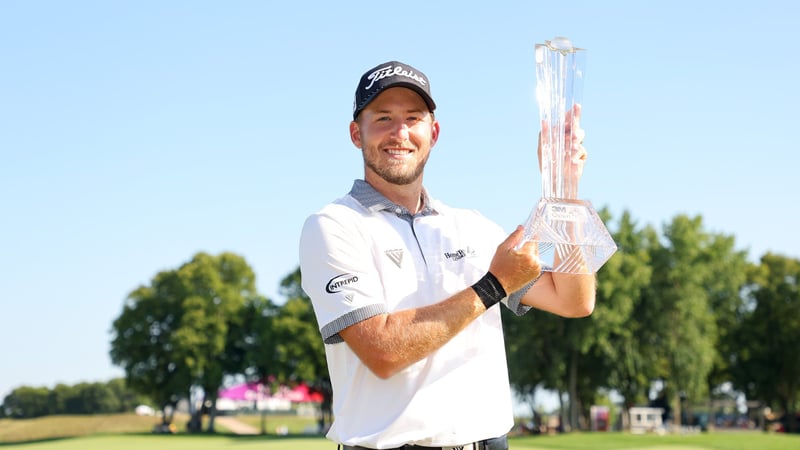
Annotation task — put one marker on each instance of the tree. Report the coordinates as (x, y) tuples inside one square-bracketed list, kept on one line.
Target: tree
[(92, 398), (621, 284), (300, 352), (142, 343), (63, 399), (171, 334), (535, 358), (219, 288), (82, 398), (724, 288), (684, 270), (27, 402), (252, 343), (765, 363)]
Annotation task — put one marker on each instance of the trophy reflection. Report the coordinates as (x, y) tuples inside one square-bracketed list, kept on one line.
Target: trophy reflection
[(570, 236)]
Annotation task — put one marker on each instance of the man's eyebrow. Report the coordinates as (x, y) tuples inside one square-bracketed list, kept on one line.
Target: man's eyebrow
[(412, 110)]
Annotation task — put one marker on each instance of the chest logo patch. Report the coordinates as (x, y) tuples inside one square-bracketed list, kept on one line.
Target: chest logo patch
[(395, 255), (459, 254)]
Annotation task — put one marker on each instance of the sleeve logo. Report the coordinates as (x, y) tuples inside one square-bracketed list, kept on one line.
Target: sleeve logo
[(338, 282)]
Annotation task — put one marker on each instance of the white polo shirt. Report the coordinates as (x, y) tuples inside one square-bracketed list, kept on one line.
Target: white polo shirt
[(361, 256)]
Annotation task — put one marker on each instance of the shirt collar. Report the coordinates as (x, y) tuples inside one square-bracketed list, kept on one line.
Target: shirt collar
[(374, 201)]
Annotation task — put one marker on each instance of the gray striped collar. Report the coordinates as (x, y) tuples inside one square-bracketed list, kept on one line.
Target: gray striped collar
[(374, 201)]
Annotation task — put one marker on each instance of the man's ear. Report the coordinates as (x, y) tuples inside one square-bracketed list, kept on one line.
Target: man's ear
[(434, 132), (355, 134)]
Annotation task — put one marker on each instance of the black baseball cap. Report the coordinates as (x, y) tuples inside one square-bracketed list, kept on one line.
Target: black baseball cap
[(387, 75)]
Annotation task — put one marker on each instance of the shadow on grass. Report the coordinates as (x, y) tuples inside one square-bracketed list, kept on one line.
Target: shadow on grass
[(183, 436), (39, 441)]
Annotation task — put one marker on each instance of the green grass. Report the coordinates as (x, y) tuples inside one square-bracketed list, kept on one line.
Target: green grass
[(738, 440), (53, 427), (295, 424), (594, 441), (129, 432), (177, 442)]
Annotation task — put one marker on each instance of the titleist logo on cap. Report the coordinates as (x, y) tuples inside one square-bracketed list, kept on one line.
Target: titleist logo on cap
[(387, 75), (391, 71)]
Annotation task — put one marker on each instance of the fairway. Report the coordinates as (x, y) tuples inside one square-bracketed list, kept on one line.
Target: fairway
[(593, 441), (177, 442)]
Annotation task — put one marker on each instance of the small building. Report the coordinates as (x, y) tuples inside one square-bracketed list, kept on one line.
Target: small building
[(646, 419)]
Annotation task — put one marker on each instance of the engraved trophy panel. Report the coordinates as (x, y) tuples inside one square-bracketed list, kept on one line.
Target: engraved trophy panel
[(570, 236)]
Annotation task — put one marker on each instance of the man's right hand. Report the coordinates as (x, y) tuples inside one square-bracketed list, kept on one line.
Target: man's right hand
[(514, 268)]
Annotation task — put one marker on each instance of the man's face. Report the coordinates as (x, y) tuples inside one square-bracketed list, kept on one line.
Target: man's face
[(395, 133)]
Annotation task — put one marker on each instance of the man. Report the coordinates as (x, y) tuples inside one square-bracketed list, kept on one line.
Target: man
[(403, 287)]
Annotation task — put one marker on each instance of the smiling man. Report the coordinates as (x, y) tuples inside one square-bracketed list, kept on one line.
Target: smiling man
[(403, 288)]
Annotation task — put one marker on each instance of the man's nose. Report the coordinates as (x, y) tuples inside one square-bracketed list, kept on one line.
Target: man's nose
[(401, 131)]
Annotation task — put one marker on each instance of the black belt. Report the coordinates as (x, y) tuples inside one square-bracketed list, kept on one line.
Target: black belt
[(498, 443)]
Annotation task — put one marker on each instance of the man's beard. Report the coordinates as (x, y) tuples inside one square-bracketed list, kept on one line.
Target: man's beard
[(390, 174)]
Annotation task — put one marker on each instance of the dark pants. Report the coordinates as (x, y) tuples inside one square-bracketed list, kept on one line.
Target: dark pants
[(499, 443)]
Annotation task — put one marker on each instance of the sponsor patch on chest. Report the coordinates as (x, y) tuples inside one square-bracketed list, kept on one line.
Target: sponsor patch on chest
[(460, 254)]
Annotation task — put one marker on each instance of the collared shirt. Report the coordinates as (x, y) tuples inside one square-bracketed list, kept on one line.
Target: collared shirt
[(363, 255)]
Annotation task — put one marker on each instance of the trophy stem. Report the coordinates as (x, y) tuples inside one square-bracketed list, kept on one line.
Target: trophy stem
[(559, 77)]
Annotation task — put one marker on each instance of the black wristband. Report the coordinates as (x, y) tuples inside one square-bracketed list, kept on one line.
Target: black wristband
[(489, 290)]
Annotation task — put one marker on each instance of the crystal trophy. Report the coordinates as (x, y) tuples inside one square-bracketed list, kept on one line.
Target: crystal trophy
[(570, 236)]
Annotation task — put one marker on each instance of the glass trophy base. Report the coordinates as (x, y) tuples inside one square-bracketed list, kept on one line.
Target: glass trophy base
[(571, 237)]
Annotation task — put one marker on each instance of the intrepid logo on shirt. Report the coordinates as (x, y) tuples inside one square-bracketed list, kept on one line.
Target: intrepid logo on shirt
[(338, 282), (459, 254)]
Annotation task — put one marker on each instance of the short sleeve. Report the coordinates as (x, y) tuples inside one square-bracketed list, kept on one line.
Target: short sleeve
[(338, 272)]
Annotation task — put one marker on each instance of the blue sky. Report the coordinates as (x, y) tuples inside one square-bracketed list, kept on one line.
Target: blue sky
[(134, 134)]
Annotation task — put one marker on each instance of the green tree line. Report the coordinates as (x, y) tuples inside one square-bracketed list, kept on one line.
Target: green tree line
[(678, 305), (26, 402)]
